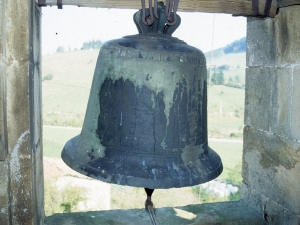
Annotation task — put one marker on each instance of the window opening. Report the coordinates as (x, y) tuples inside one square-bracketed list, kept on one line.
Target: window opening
[(71, 41)]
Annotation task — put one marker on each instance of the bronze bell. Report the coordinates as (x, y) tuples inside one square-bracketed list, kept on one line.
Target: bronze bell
[(146, 119)]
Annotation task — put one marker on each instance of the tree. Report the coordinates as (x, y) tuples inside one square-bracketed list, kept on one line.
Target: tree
[(221, 77), (218, 78), (237, 80), (94, 44), (60, 49)]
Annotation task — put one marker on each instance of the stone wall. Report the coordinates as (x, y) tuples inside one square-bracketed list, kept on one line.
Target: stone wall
[(21, 171), (271, 158)]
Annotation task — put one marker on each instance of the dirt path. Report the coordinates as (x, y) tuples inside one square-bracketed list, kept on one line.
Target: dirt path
[(225, 140)]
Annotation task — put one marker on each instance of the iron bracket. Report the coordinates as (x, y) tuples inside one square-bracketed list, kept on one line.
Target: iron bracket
[(42, 3), (59, 4)]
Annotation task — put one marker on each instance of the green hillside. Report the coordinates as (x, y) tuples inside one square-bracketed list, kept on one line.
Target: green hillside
[(65, 95), (225, 112), (66, 85), (237, 46), (231, 60), (234, 64)]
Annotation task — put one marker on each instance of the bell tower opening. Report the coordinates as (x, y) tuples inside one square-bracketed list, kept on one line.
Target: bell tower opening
[(73, 80), (271, 133)]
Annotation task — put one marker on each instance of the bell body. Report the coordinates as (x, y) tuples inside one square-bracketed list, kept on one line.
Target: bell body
[(146, 120)]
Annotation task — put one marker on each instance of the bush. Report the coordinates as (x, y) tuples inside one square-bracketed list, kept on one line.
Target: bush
[(236, 196), (224, 67), (52, 199), (236, 135), (62, 201), (71, 196), (218, 78), (235, 175), (94, 44), (60, 49), (236, 83), (205, 197), (48, 77), (63, 119), (233, 135), (236, 113)]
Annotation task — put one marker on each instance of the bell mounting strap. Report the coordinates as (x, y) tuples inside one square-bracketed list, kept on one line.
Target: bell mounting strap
[(156, 21), (171, 9), (255, 9), (171, 4), (59, 4), (148, 20), (42, 3)]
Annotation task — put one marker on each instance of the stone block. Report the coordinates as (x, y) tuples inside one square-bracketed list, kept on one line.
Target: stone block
[(21, 189), (274, 41), (2, 113), (281, 101), (295, 107), (287, 35), (258, 95), (2, 94), (261, 46), (4, 193), (271, 212), (38, 188), (271, 166), (252, 198), (261, 203), (268, 103), (4, 217)]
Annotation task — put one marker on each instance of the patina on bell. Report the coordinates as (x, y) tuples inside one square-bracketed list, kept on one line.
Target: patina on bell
[(146, 119)]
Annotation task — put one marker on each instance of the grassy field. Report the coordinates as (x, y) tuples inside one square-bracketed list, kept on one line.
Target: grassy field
[(225, 112), (130, 197), (231, 155), (236, 63), (66, 87), (55, 139), (65, 96)]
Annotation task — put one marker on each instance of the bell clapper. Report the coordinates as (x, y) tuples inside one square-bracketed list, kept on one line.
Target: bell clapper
[(149, 205), (148, 201)]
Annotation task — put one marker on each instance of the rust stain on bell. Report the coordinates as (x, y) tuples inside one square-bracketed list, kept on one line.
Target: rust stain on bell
[(146, 120)]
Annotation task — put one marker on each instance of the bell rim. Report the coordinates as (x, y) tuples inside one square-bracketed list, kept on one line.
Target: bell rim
[(127, 180)]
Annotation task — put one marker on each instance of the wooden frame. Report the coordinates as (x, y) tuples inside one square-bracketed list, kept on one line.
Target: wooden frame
[(235, 7), (284, 3)]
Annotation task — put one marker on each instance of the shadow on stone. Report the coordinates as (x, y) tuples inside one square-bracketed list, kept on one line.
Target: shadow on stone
[(210, 213)]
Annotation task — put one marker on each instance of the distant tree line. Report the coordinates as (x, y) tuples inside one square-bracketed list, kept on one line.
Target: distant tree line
[(236, 46), (218, 79), (235, 82), (60, 49), (94, 44)]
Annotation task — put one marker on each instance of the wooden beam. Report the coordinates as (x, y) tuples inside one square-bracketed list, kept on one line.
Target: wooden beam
[(284, 3), (235, 7)]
